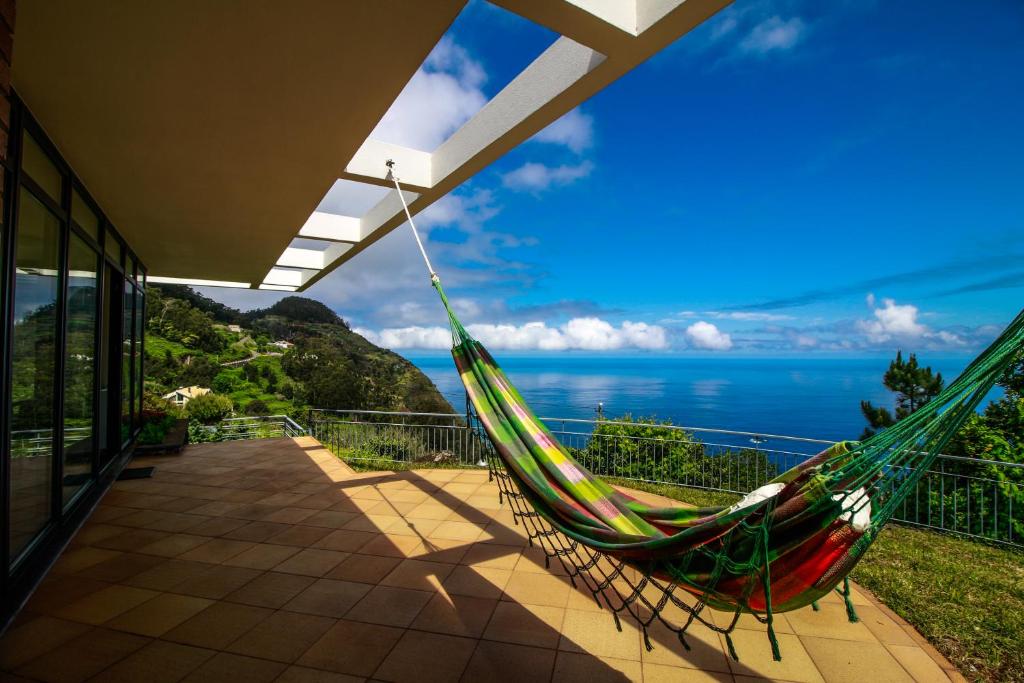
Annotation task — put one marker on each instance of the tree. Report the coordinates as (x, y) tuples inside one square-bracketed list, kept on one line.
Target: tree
[(251, 372), (913, 385), (209, 408), (257, 407), (199, 371), (225, 382)]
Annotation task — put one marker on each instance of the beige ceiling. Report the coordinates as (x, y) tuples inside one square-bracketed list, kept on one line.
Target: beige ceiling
[(208, 130)]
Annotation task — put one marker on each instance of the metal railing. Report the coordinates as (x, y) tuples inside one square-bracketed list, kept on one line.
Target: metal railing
[(255, 427), (965, 496)]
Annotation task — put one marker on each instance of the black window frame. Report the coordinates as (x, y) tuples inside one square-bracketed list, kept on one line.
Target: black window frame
[(19, 575)]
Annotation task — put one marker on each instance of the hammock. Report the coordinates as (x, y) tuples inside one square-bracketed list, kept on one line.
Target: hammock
[(782, 547)]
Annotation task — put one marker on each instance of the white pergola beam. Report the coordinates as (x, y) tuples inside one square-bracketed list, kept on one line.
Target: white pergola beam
[(600, 41), (367, 165), (559, 67), (329, 226)]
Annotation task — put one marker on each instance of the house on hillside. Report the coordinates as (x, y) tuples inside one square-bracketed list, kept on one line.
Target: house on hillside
[(237, 329), (183, 395), (282, 344)]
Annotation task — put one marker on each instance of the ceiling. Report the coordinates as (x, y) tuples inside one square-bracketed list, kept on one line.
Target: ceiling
[(209, 131)]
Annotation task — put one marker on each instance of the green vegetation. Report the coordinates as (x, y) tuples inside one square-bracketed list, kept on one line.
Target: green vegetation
[(209, 408), (191, 340), (913, 385), (975, 497), (646, 449)]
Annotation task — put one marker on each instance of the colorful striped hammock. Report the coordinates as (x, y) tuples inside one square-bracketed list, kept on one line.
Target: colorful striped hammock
[(783, 546)]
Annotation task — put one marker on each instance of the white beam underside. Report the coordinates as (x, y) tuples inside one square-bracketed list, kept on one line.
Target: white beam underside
[(414, 168), (329, 226)]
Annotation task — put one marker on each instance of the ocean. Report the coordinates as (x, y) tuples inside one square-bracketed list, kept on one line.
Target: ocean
[(816, 398)]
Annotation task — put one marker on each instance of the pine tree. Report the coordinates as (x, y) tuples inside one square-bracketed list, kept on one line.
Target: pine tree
[(913, 385)]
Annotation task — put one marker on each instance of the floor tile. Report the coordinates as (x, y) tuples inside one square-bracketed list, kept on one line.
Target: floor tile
[(845, 661), (283, 636), (157, 616), (537, 589), (328, 597), (36, 637), (217, 550), (83, 657), (300, 536), (173, 545), (447, 656), (478, 582), (345, 540), (312, 562), (218, 625), (257, 532), (458, 615), (271, 589), (217, 582), (572, 667), (121, 567), (418, 574), (352, 648), (595, 633), (660, 673), (756, 658), (262, 556), (231, 667), (158, 662), (389, 606), (364, 568), (103, 605), (534, 625), (918, 663), (505, 662), (706, 652), (302, 674), (831, 621), (167, 575)]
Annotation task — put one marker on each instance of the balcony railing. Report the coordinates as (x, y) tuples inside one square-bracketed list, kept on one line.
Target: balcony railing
[(965, 496), (254, 427)]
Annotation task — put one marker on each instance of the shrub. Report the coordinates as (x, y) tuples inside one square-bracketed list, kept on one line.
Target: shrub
[(257, 407), (209, 408), (225, 382), (392, 445)]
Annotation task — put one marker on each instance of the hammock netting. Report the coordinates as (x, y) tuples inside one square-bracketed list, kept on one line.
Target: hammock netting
[(782, 547)]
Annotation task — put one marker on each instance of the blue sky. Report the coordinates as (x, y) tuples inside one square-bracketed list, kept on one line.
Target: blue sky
[(789, 178)]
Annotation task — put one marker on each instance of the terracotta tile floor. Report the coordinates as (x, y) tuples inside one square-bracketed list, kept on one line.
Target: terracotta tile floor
[(271, 560)]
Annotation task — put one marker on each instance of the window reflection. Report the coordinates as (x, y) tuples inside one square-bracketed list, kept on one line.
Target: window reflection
[(79, 365), (32, 377), (126, 364)]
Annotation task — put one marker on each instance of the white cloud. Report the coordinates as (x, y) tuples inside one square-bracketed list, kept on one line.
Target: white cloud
[(575, 130), (774, 34), (442, 95), (705, 335), (899, 322), (535, 177), (892, 321), (585, 334)]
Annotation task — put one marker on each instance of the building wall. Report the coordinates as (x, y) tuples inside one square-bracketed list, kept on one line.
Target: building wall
[(6, 47)]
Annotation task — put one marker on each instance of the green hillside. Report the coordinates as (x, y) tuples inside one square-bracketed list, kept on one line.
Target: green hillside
[(193, 340)]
